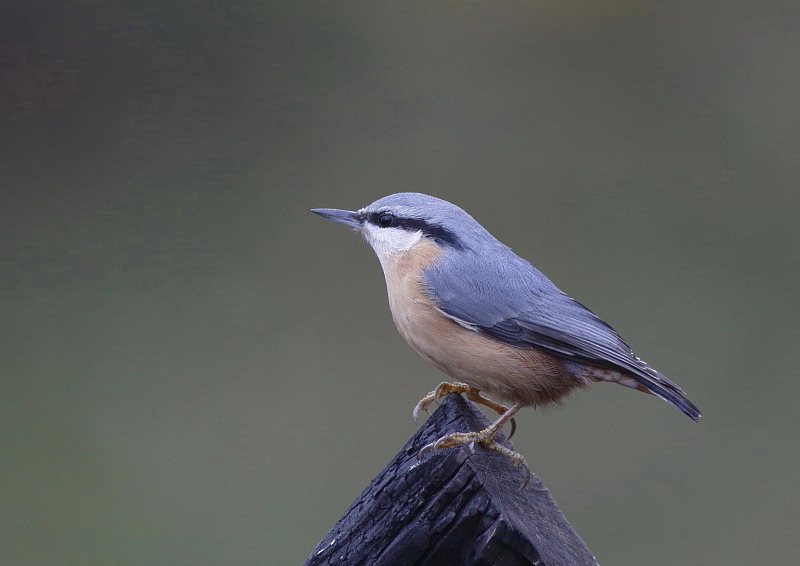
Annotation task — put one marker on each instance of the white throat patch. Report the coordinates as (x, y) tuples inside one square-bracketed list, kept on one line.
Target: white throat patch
[(389, 242)]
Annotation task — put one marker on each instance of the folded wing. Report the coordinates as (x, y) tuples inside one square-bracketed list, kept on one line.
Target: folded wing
[(507, 299)]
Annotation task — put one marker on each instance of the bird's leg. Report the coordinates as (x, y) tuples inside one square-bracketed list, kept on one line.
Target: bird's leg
[(484, 437), (475, 396), (472, 394)]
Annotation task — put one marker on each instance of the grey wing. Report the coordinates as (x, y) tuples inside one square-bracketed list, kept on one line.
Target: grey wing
[(507, 299)]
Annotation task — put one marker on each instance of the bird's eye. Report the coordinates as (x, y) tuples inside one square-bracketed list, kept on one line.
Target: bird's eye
[(385, 219)]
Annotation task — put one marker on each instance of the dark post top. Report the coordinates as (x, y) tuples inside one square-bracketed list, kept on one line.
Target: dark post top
[(455, 507)]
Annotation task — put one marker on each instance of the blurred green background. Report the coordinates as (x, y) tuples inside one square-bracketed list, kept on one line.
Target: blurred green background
[(195, 370)]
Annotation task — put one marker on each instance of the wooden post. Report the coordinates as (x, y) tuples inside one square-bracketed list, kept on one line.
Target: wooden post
[(454, 507)]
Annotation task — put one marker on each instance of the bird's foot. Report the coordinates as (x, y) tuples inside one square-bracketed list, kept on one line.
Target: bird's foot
[(441, 390), (472, 394), (483, 437)]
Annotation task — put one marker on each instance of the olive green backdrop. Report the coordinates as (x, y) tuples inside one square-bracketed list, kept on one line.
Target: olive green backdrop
[(196, 370)]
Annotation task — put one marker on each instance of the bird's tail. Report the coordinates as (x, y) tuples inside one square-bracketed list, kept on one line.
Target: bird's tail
[(656, 384)]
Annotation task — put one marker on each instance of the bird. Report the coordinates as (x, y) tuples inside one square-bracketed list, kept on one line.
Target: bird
[(489, 319)]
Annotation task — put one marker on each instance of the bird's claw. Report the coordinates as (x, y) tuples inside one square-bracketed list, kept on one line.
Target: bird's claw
[(441, 390), (513, 428), (424, 449), (423, 405)]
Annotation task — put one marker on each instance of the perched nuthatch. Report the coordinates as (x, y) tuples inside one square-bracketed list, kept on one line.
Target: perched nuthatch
[(489, 319)]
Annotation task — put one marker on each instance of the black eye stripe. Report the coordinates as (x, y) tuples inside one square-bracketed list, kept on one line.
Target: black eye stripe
[(386, 219)]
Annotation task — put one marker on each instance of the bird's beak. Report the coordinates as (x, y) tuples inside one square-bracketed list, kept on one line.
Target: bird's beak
[(342, 216)]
